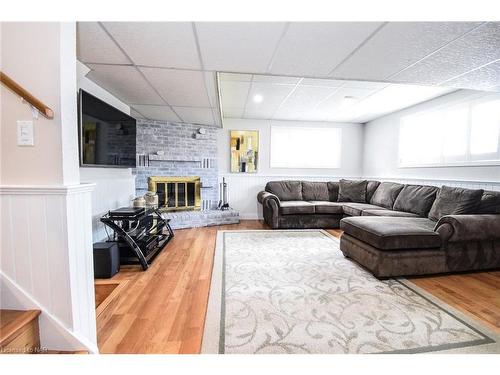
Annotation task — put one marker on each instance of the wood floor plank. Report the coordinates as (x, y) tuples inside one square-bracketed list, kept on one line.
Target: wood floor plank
[(163, 309)]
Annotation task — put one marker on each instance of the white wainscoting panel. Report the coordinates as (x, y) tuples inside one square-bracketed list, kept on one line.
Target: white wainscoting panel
[(47, 254), (243, 188), (114, 188)]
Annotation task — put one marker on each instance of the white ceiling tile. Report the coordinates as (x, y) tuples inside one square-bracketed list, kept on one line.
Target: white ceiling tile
[(136, 114), (234, 94), (477, 48), (394, 98), (365, 85), (485, 78), (273, 96), (192, 115), (397, 45), (230, 112), (157, 112), (238, 46), (217, 116), (300, 102), (125, 82), (275, 79), (95, 46), (235, 77), (183, 88), (315, 48), (321, 82), (211, 85), (165, 44)]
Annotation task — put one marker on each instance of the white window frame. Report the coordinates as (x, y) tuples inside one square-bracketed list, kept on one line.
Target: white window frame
[(470, 160)]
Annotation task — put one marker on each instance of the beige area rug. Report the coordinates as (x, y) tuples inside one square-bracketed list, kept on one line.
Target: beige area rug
[(294, 292)]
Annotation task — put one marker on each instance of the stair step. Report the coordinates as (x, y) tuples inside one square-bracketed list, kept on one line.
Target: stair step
[(19, 331)]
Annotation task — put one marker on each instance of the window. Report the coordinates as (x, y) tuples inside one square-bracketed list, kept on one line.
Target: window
[(300, 147), (462, 134)]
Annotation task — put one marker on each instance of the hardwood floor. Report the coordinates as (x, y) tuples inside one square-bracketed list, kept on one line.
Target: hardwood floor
[(163, 309)]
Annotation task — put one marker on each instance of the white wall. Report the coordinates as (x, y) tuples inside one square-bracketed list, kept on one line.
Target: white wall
[(114, 187), (243, 187), (381, 141), (46, 252)]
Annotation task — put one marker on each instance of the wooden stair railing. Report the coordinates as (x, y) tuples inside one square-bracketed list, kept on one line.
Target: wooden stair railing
[(26, 95)]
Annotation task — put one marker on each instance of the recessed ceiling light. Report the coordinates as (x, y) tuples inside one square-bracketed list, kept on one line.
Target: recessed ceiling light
[(258, 98)]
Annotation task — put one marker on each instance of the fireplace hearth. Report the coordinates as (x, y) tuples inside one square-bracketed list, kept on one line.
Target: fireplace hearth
[(177, 193)]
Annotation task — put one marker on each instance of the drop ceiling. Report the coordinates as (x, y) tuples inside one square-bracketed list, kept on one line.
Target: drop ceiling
[(167, 70), (251, 96)]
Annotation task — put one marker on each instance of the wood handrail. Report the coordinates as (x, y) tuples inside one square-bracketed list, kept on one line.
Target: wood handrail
[(26, 95)]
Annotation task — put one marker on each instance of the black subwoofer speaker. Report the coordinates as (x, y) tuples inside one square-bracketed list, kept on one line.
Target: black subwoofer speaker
[(106, 260)]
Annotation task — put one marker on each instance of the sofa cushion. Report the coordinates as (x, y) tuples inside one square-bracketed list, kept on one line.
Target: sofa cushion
[(386, 194), (296, 207), (352, 191), (333, 190), (490, 203), (285, 190), (371, 186), (322, 207), (393, 233), (416, 198), (355, 209), (315, 191), (385, 212), (455, 201)]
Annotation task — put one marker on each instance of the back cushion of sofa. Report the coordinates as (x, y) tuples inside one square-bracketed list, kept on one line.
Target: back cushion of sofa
[(386, 194), (333, 190), (455, 201), (371, 186), (286, 190), (352, 191), (417, 199), (315, 191), (490, 203)]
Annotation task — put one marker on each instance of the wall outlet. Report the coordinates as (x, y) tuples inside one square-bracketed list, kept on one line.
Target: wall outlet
[(25, 136)]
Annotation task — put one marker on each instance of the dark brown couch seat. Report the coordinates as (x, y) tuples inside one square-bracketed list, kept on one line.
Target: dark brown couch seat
[(356, 209), (325, 207), (296, 208), (390, 233), (385, 212)]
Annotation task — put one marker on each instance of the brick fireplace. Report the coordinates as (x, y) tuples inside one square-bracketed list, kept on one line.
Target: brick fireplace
[(175, 161)]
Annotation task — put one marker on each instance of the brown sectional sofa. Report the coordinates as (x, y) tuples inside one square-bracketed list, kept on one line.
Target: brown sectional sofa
[(394, 229)]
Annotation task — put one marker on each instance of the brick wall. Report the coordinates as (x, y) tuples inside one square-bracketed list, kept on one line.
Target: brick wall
[(184, 153)]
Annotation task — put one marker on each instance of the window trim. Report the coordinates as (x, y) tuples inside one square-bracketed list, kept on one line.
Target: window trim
[(470, 160)]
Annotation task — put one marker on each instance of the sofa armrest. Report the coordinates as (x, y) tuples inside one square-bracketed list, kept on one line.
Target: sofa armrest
[(459, 228), (270, 208), (263, 196)]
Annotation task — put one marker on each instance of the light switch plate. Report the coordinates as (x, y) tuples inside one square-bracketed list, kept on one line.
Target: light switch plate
[(25, 136)]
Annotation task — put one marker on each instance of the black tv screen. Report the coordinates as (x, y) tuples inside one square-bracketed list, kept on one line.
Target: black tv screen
[(107, 135)]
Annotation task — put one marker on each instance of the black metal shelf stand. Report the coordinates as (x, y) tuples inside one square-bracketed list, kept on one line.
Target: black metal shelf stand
[(140, 233)]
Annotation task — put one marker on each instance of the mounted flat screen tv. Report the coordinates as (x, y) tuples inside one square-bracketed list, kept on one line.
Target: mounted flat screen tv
[(107, 135)]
